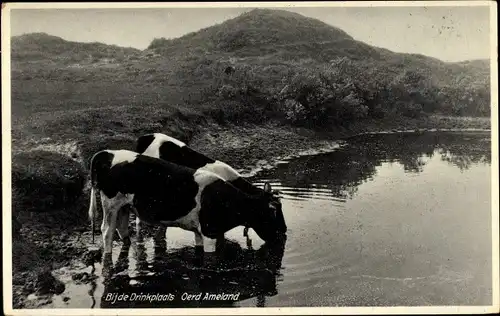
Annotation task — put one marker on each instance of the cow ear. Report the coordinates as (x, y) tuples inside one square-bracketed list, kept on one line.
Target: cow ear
[(267, 187)]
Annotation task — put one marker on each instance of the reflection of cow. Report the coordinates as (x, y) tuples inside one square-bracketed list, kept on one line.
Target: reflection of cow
[(167, 194), (173, 150), (252, 273), (229, 70)]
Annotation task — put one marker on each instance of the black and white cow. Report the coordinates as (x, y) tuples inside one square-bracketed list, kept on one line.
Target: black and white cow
[(167, 194), (171, 149)]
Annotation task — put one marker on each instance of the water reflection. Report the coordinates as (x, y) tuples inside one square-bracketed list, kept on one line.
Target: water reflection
[(166, 276), (337, 175), (388, 220)]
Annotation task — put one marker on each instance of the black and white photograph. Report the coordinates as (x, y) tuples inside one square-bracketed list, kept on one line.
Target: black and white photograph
[(250, 158)]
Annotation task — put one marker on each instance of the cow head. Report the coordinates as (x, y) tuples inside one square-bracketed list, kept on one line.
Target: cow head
[(274, 196), (269, 222)]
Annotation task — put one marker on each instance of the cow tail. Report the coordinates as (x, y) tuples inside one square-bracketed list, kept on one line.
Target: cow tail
[(93, 199), (92, 211)]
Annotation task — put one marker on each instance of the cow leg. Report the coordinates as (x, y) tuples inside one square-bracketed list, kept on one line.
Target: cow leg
[(108, 228), (159, 237), (111, 208), (209, 244), (198, 238), (122, 225), (209, 254), (198, 249), (249, 243), (138, 226), (107, 265), (122, 261), (105, 227)]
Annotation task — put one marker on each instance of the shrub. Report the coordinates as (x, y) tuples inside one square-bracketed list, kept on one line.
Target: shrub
[(294, 111), (227, 92), (234, 112), (158, 43), (45, 181), (321, 99)]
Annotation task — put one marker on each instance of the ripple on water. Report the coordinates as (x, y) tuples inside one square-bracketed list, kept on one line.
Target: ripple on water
[(357, 229)]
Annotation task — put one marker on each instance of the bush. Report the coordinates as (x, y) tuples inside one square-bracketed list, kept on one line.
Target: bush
[(234, 112), (45, 181), (320, 99), (338, 93), (294, 111), (158, 43), (227, 92)]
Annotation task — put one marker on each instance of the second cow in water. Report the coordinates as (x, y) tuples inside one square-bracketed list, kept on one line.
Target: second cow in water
[(165, 147)]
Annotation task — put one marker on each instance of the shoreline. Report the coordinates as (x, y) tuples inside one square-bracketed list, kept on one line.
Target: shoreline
[(251, 171)]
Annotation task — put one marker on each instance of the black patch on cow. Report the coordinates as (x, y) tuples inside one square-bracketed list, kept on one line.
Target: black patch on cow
[(221, 209), (224, 207), (246, 186), (184, 155), (280, 218), (163, 191), (251, 189), (143, 143), (166, 192)]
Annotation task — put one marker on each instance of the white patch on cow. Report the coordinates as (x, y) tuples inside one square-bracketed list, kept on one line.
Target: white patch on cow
[(204, 178), (209, 244), (222, 169), (122, 155), (153, 149), (164, 138), (188, 222)]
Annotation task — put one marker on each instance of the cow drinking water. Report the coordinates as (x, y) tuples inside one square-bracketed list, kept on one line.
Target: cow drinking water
[(170, 149), (166, 194)]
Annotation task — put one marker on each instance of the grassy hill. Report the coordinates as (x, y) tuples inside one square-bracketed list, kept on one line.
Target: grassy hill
[(250, 32), (289, 68), (40, 47), (282, 36)]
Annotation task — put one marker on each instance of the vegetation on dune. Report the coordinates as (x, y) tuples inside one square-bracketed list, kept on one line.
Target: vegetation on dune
[(286, 42), (269, 50), (250, 31), (42, 46), (334, 94)]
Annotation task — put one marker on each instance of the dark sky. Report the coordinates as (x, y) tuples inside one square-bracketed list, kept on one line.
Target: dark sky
[(447, 33)]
